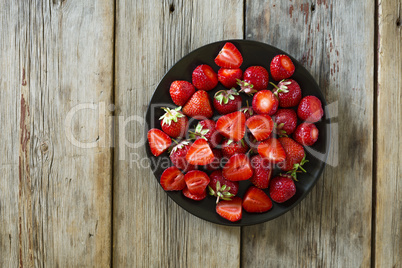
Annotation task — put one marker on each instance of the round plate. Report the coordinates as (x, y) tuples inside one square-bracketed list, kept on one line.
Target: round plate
[(254, 53)]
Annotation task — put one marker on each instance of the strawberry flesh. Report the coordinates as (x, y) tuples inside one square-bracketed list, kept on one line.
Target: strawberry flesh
[(158, 141), (230, 210), (272, 150), (200, 153), (229, 57), (172, 179), (260, 126), (196, 181), (238, 168), (232, 126), (265, 102), (256, 201)]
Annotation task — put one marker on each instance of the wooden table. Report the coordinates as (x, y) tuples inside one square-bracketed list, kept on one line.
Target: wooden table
[(74, 73)]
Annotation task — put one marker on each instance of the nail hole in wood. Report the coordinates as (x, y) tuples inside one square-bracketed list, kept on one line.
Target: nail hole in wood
[(398, 22), (171, 8), (312, 7)]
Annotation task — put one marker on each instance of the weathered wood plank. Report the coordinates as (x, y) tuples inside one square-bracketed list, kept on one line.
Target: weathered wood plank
[(150, 230), (388, 228), (332, 226), (55, 208)]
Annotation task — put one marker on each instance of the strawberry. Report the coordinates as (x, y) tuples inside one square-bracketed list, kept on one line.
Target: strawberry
[(262, 171), (172, 179), (238, 168), (252, 143), (174, 122), (216, 162), (196, 181), (221, 187), (310, 109), (256, 201), (198, 106), (159, 141), (229, 77), (282, 188), (200, 153), (206, 129), (230, 210), (295, 156), (260, 126), (281, 67), (306, 134), (227, 101), (204, 77), (196, 197), (272, 150), (265, 102), (178, 156), (285, 121), (181, 91), (255, 78), (229, 57), (248, 111), (230, 147), (288, 92), (232, 126)]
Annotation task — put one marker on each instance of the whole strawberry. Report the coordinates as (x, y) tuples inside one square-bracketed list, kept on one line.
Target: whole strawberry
[(204, 77), (265, 102), (181, 91), (178, 156), (216, 162), (206, 129), (230, 147), (229, 77), (221, 187), (295, 156), (255, 78), (262, 172), (306, 134), (282, 188), (285, 121), (310, 109), (288, 92), (174, 122), (248, 111), (198, 106), (281, 67), (227, 101)]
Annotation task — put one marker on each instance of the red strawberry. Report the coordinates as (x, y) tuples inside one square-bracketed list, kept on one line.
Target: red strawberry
[(178, 156), (221, 187), (281, 67), (265, 102), (306, 134), (232, 126), (282, 188), (227, 101), (285, 121), (196, 181), (288, 92), (310, 109), (230, 147), (255, 78), (158, 140), (229, 57), (262, 172), (200, 153), (272, 151), (206, 129), (204, 77), (181, 91), (238, 168), (229, 77), (216, 162), (172, 179), (174, 122), (230, 210), (255, 200), (294, 155), (260, 126), (198, 106), (248, 111), (196, 197)]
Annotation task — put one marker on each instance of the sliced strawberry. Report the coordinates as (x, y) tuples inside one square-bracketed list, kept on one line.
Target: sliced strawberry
[(272, 150), (232, 126), (282, 188), (238, 168), (281, 67), (230, 210), (198, 106), (181, 91), (260, 126), (172, 179), (229, 77), (196, 181), (262, 171), (256, 201), (159, 141), (229, 57), (265, 102), (196, 197), (200, 153), (204, 77)]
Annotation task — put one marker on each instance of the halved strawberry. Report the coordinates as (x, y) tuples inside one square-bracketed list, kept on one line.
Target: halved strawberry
[(196, 197), (158, 140), (196, 181), (262, 171), (172, 179), (256, 201), (181, 91), (204, 77), (260, 126), (200, 153), (229, 57), (272, 150), (281, 67), (230, 210), (238, 168), (229, 77), (265, 102), (232, 126), (198, 106)]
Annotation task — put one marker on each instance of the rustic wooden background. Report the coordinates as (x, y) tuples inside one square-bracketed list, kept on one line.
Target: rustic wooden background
[(66, 206)]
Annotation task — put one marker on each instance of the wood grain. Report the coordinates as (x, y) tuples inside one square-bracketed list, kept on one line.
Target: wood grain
[(388, 231), (55, 207), (332, 226), (150, 230)]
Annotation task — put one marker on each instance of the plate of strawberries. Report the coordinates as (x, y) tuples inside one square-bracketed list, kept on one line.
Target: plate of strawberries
[(237, 132)]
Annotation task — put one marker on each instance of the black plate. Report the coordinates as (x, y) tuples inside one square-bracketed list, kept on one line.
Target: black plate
[(254, 53)]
